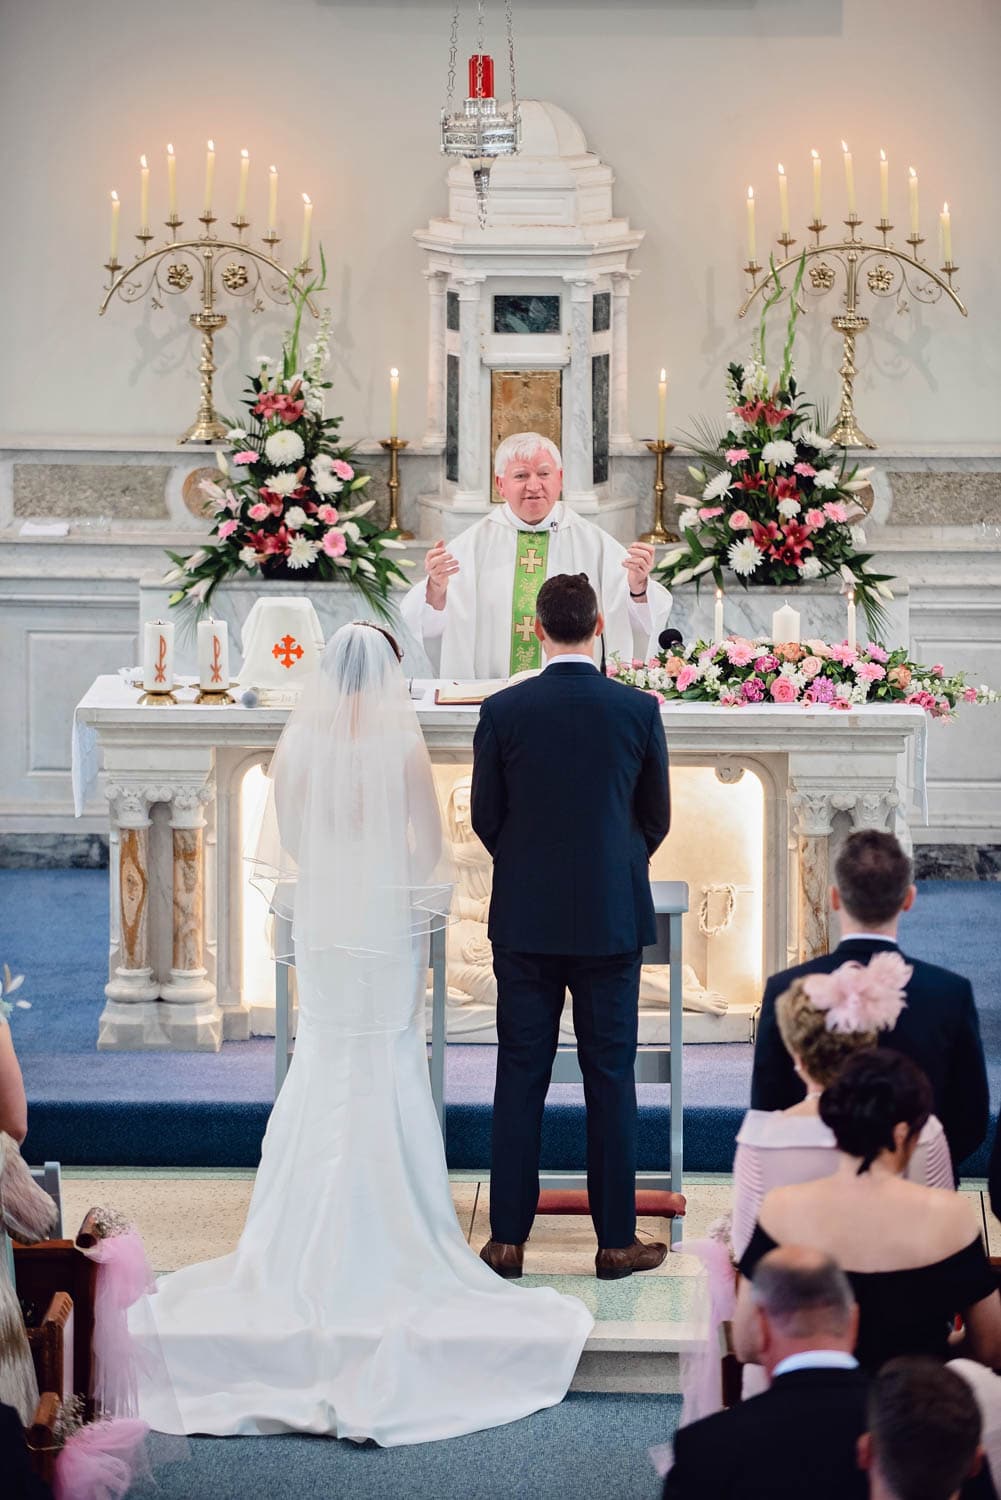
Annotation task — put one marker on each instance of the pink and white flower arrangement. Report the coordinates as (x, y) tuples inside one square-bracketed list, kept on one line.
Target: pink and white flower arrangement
[(738, 671)]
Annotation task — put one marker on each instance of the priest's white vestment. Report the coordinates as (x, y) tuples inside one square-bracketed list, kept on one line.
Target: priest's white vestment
[(471, 636)]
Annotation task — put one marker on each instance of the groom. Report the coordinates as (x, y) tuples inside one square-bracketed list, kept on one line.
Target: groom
[(570, 796)]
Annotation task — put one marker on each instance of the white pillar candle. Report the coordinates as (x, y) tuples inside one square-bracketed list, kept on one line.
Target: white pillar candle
[(171, 183), (945, 223), (785, 626), (718, 619), (851, 619), (307, 231), (751, 239), (158, 657), (662, 406), (116, 209), (272, 199), (816, 186), (912, 189), (849, 177), (241, 200), (394, 401), (209, 178), (783, 200), (884, 187), (143, 194), (213, 656)]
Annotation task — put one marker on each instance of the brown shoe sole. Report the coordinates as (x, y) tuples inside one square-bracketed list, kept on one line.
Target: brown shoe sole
[(620, 1273)]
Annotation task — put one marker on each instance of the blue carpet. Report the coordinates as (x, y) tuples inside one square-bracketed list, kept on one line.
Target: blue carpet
[(196, 1109), (590, 1447)]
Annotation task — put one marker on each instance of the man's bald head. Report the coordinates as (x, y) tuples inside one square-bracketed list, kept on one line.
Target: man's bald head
[(806, 1298)]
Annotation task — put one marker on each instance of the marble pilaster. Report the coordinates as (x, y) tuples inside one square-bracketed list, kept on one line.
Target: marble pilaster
[(578, 474), (813, 810), (472, 492), (434, 433), (619, 400), (188, 983), (132, 979)]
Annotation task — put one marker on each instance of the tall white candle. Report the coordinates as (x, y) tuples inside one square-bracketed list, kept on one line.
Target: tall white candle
[(849, 177), (662, 406), (241, 200), (307, 221), (785, 625), (783, 200), (143, 194), (394, 401), (945, 224), (815, 155), (116, 209), (718, 619), (158, 656), (912, 190), (213, 656), (851, 619), (884, 187), (209, 177), (751, 238), (272, 199), (171, 183)]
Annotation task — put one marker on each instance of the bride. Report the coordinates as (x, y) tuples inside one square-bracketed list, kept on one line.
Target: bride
[(353, 1304)]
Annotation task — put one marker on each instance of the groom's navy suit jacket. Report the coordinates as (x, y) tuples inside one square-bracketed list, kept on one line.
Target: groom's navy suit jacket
[(570, 796)]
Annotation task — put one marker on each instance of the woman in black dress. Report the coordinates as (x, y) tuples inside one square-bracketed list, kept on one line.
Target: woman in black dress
[(913, 1254)]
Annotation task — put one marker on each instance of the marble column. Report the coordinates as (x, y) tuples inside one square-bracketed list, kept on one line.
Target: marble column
[(190, 1015), (473, 491), (434, 434), (619, 396), (813, 813), (578, 456), (132, 980)]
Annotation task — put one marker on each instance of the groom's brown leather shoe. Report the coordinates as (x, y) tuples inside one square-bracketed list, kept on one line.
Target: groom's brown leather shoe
[(612, 1265), (506, 1260)]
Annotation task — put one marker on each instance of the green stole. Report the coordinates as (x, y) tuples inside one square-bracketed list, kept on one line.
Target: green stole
[(529, 576)]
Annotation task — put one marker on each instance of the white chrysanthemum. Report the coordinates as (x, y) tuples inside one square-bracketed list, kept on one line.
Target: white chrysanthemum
[(688, 518), (295, 517), (284, 448), (810, 568), (248, 557), (316, 400), (789, 669), (825, 479), (301, 552), (718, 487), (814, 439), (326, 482), (859, 692), (789, 507), (712, 674), (322, 461), (282, 482), (236, 435), (743, 557), (781, 453)]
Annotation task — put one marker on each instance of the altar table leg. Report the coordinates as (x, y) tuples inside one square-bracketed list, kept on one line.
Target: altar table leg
[(133, 979)]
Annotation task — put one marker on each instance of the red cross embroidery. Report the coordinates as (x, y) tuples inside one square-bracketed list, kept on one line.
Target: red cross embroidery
[(287, 650)]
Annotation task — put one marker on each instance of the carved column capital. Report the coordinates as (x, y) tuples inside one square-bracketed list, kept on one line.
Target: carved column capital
[(728, 773), (187, 803), (813, 807), (130, 801)]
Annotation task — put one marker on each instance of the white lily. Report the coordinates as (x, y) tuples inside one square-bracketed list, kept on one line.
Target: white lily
[(685, 576), (174, 576), (697, 474), (359, 510), (669, 560), (884, 591), (703, 566), (350, 530), (221, 462), (365, 566), (847, 575), (393, 544)]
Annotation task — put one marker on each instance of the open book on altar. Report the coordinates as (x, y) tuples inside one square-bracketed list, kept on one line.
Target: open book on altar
[(458, 694)]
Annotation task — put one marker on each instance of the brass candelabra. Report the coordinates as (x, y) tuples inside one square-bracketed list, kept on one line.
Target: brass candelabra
[(658, 534), (394, 446), (254, 275), (889, 272)]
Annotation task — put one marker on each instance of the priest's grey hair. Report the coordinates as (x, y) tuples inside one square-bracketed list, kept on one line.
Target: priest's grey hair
[(524, 445)]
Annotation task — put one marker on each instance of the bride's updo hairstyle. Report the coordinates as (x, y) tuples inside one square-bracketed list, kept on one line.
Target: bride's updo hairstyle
[(806, 1034), (874, 1092)]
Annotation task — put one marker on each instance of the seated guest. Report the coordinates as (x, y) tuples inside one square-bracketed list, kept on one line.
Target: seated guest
[(923, 1441), (939, 1027), (800, 1436), (19, 1481), (913, 1254), (27, 1214), (13, 1104)]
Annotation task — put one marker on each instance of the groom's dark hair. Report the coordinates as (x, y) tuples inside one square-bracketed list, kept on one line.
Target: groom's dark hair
[(567, 608), (873, 875)]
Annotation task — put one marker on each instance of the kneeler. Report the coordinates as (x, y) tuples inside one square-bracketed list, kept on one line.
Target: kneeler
[(41, 1272)]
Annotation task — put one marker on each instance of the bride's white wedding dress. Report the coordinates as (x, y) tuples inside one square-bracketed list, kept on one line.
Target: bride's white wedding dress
[(353, 1304)]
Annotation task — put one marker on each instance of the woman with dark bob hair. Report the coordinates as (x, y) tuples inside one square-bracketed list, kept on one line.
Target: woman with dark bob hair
[(913, 1254)]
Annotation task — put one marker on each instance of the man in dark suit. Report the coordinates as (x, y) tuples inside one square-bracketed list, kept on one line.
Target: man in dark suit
[(938, 1028), (923, 1441), (570, 796)]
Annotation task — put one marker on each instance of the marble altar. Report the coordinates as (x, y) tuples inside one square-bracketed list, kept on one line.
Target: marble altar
[(176, 780)]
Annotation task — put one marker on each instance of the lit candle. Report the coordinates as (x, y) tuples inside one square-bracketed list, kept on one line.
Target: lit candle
[(783, 200), (241, 201), (849, 177), (171, 183), (116, 209), (661, 406), (945, 223), (272, 200), (884, 187), (394, 401), (209, 178), (912, 189), (785, 626), (158, 657), (751, 241), (718, 619), (143, 194), (213, 656), (851, 618), (307, 221), (816, 186)]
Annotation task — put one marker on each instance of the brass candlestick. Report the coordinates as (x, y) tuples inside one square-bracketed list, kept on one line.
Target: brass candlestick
[(659, 533), (215, 697), (151, 699), (393, 447), (889, 273)]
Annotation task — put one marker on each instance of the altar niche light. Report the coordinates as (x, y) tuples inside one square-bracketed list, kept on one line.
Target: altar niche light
[(479, 132)]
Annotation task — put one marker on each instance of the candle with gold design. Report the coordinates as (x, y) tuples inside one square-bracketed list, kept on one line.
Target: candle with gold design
[(213, 656), (158, 656)]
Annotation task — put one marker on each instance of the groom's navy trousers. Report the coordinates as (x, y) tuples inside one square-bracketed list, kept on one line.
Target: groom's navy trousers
[(570, 796)]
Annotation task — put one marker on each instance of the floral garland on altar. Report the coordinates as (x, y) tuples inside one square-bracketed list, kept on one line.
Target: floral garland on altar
[(287, 502), (738, 671)]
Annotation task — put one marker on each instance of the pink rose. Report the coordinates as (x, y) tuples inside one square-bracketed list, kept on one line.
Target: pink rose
[(815, 518), (226, 529), (807, 470), (922, 699), (259, 512), (899, 677), (818, 648), (674, 665), (653, 693), (327, 514), (637, 664), (612, 669), (810, 666), (334, 543), (737, 455), (708, 512), (739, 653), (248, 456), (937, 670), (835, 511), (342, 470), (685, 678), (969, 695), (740, 520), (783, 690)]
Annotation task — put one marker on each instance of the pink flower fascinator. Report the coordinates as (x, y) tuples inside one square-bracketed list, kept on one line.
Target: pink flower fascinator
[(861, 997)]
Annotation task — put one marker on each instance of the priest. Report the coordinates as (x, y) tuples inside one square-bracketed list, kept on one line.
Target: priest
[(475, 611)]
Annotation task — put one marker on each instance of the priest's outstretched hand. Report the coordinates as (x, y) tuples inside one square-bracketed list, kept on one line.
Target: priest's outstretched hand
[(439, 565), (637, 562)]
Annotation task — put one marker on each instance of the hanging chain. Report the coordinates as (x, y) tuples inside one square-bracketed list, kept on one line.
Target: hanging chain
[(510, 58), (453, 47), (479, 25)]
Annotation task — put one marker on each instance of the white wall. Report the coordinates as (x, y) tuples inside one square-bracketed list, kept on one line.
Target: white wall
[(689, 100)]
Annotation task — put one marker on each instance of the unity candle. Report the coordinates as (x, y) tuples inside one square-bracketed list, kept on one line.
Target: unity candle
[(394, 401), (241, 201), (816, 186), (171, 183), (213, 656), (884, 188), (785, 626), (158, 657), (661, 406), (783, 200), (143, 194)]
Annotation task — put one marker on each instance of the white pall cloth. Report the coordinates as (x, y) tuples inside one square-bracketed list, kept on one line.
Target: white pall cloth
[(282, 643)]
